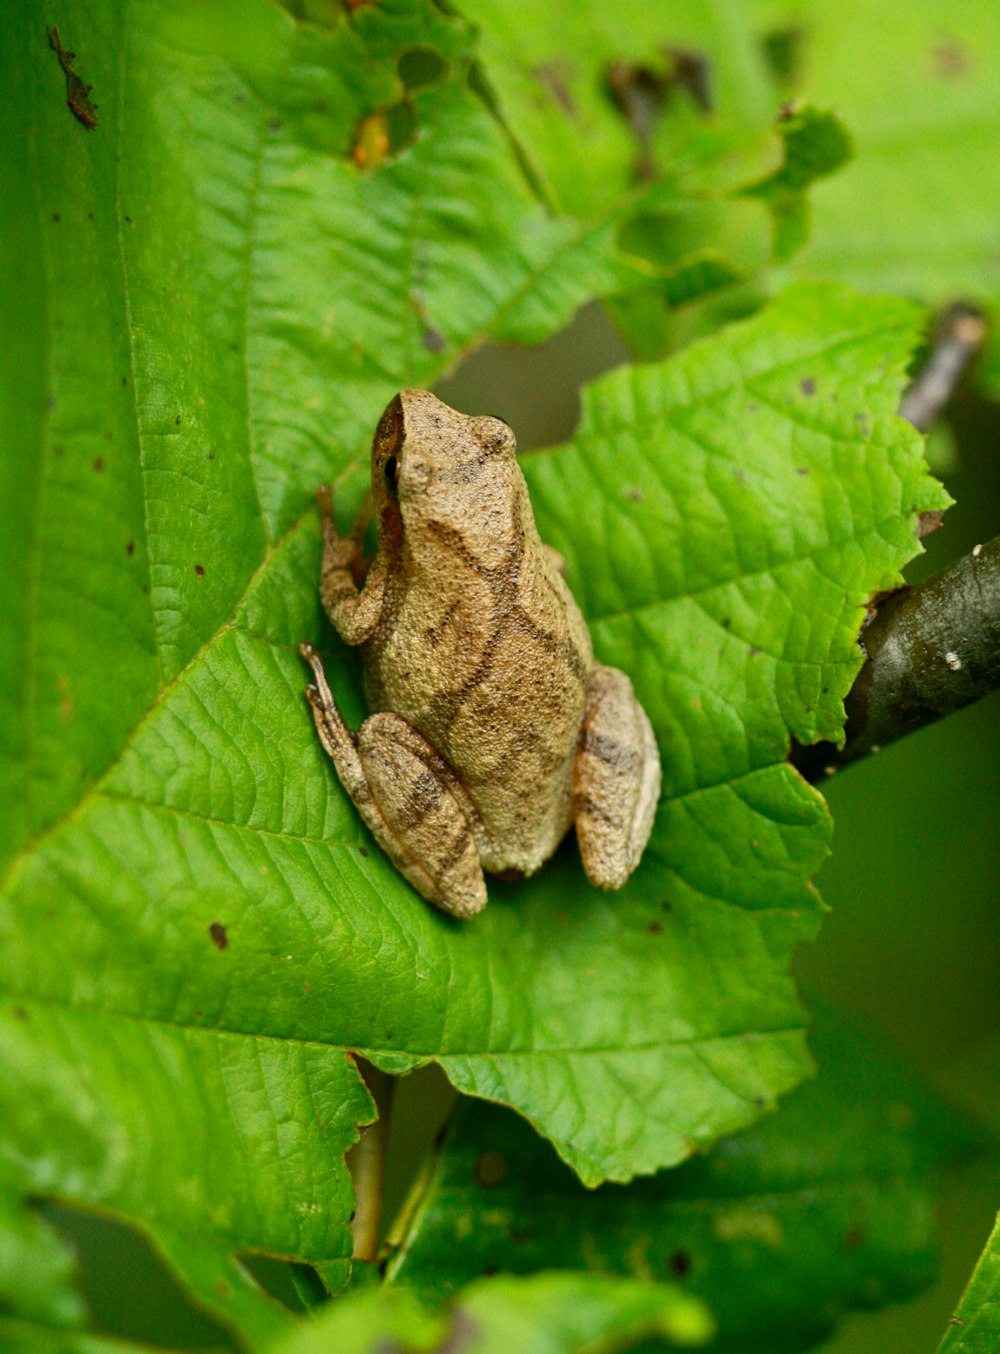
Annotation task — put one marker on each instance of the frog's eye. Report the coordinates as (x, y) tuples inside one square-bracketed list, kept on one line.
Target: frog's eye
[(391, 472)]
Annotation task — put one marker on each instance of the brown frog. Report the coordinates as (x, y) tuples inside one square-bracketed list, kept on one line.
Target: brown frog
[(492, 727)]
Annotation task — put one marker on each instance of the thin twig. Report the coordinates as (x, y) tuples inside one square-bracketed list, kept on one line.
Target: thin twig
[(961, 335), (366, 1162), (931, 649)]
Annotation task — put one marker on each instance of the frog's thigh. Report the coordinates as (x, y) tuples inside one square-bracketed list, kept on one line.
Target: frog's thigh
[(427, 818), (616, 780)]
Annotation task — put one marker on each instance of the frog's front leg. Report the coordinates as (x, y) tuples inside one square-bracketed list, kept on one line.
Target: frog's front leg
[(616, 780), (410, 798), (354, 611)]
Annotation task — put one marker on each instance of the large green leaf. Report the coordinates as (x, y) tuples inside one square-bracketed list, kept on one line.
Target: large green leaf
[(825, 1205), (919, 87), (546, 1314), (975, 1326), (214, 301)]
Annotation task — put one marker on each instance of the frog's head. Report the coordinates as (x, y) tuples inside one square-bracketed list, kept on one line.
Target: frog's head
[(431, 464)]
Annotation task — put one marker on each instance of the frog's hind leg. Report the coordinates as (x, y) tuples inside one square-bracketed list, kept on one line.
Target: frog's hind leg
[(616, 780), (409, 797)]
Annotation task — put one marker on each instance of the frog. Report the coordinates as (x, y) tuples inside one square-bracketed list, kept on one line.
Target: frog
[(491, 728)]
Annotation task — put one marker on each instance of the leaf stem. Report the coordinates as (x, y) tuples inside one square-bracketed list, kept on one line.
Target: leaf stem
[(931, 649), (366, 1162)]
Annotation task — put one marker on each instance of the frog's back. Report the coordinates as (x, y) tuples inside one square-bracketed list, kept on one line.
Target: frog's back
[(484, 651)]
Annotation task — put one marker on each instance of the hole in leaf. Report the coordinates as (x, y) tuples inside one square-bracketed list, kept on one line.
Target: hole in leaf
[(420, 67), (384, 134)]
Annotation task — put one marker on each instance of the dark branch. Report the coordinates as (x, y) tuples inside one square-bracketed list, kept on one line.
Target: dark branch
[(931, 649)]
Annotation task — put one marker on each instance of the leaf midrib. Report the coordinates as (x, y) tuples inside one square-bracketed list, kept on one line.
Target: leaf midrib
[(419, 1056)]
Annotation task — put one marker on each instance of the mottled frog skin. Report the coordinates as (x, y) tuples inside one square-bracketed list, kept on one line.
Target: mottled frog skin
[(492, 729)]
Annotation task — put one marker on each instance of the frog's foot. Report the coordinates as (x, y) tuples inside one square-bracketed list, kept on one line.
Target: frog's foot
[(409, 797), (616, 780)]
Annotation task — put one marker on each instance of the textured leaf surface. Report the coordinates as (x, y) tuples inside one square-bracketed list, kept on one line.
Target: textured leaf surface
[(546, 1314), (915, 212), (975, 1327), (824, 1206), (215, 301)]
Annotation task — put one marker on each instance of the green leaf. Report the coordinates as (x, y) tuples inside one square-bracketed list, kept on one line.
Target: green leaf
[(975, 1327), (214, 301), (824, 1206), (915, 212), (546, 1314)]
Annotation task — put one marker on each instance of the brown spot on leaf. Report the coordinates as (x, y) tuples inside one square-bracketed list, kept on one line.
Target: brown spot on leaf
[(853, 1239), (19, 1013), (950, 59), (680, 1263), (928, 522), (807, 385), (654, 928), (220, 938), (130, 548), (433, 341), (98, 463), (200, 570)]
